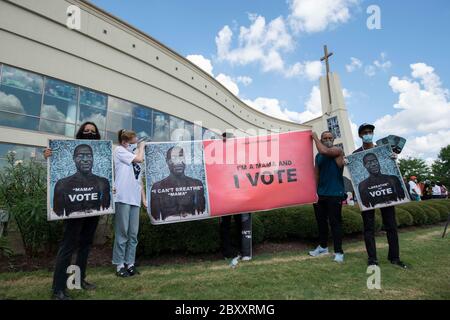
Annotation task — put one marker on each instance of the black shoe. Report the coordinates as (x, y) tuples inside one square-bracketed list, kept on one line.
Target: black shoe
[(123, 273), (88, 286), (399, 264), (60, 295), (132, 271), (372, 263)]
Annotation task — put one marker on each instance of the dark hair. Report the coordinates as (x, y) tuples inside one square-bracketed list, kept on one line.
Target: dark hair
[(79, 134), (169, 152), (327, 131), (369, 154), (75, 151)]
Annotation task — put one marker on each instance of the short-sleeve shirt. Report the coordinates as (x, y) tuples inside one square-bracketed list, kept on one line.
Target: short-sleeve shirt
[(331, 181), (127, 177)]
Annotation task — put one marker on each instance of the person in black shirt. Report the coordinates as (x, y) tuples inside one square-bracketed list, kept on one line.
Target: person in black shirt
[(378, 187), (82, 191), (178, 194), (365, 132), (78, 233)]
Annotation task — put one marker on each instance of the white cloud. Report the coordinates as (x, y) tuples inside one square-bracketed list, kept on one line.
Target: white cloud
[(260, 42), (311, 70), (245, 80), (268, 106), (318, 15), (272, 107), (202, 62), (423, 116), (265, 44), (11, 103), (378, 65), (228, 83), (354, 64)]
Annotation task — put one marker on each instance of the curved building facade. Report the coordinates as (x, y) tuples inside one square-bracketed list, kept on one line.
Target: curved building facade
[(54, 78)]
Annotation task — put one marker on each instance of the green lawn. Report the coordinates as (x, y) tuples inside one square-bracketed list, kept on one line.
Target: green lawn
[(284, 275)]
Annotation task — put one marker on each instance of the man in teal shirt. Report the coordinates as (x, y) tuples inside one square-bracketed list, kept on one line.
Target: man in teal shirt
[(329, 168)]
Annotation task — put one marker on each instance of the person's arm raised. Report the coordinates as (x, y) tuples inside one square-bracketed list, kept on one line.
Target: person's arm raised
[(332, 152), (139, 158)]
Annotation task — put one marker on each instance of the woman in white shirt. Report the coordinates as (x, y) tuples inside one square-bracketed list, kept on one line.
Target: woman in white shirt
[(129, 193)]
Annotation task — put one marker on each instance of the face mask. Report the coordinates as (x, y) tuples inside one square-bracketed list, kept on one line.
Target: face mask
[(367, 138), (328, 143), (132, 147), (89, 136)]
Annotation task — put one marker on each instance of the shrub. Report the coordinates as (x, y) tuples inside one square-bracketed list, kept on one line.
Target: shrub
[(23, 194), (189, 237), (433, 215), (417, 212), (404, 218), (440, 206), (351, 220)]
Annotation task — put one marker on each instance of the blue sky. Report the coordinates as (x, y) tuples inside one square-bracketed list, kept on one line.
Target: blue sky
[(267, 52)]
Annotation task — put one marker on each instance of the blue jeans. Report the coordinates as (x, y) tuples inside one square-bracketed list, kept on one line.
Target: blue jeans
[(126, 227)]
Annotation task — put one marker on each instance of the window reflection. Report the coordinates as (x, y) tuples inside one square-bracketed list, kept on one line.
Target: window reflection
[(18, 121), (92, 98), (21, 152), (119, 114), (142, 121), (53, 127), (92, 108), (60, 101), (92, 114), (19, 101), (21, 79), (177, 131), (160, 127)]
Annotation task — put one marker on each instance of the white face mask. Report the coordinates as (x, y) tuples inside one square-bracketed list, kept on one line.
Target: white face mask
[(132, 147)]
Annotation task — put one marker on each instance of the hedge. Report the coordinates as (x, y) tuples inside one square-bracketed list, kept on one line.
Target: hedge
[(275, 225)]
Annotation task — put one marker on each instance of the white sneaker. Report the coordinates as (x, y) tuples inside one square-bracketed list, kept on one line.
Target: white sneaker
[(246, 258), (318, 251), (339, 257)]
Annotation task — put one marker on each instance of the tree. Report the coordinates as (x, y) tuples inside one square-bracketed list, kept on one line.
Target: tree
[(414, 167), (441, 167)]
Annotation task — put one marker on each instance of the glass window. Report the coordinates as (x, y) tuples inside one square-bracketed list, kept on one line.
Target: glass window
[(112, 136), (18, 121), (60, 101), (177, 131), (142, 121), (92, 108), (209, 135), (119, 114), (189, 126), (160, 126), (22, 79), (22, 152), (54, 127), (92, 98)]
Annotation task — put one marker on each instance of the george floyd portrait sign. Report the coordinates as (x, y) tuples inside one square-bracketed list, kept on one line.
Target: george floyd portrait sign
[(193, 180), (80, 179), (376, 178)]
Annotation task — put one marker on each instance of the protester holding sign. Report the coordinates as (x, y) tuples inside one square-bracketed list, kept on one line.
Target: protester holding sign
[(365, 132), (243, 225), (129, 192), (77, 233), (329, 168)]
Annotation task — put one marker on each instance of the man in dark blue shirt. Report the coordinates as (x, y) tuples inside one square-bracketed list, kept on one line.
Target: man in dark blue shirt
[(329, 168)]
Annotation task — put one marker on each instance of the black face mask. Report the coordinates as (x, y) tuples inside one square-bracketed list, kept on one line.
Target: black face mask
[(89, 136)]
